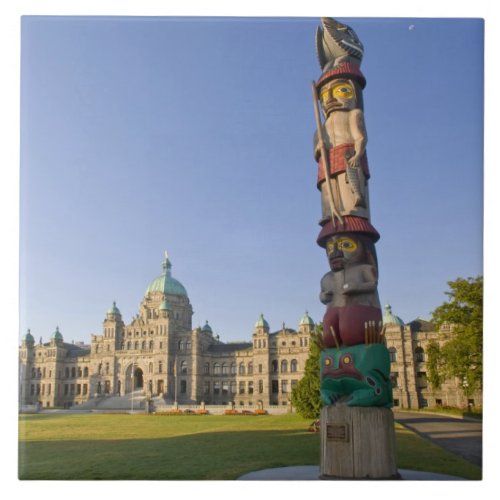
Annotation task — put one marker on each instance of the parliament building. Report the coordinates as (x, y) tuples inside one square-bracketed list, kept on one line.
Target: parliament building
[(161, 359)]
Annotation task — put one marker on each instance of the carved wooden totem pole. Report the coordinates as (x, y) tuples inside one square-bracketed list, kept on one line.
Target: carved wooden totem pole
[(357, 428)]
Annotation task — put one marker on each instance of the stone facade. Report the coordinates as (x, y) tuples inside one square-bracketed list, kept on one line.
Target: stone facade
[(407, 344), (159, 354)]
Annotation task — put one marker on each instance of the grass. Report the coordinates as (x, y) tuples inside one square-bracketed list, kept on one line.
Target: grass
[(85, 446)]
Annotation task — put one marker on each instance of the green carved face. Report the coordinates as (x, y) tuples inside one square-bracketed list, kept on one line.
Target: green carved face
[(357, 375)]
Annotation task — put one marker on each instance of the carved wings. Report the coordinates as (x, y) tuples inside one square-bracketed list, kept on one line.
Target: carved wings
[(335, 43)]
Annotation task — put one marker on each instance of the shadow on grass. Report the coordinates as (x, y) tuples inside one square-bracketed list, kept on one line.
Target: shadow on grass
[(214, 455)]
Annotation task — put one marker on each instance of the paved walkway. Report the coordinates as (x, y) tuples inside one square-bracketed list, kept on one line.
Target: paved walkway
[(311, 473), (461, 437)]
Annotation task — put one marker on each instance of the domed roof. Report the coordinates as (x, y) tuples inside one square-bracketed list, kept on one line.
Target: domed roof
[(306, 320), (207, 328), (57, 335), (28, 337), (165, 283), (114, 310), (262, 323), (390, 318)]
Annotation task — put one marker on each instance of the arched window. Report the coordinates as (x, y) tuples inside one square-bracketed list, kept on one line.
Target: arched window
[(392, 354), (136, 345), (151, 344), (225, 370), (143, 344), (284, 366), (129, 345), (242, 368), (181, 345), (216, 369), (206, 368), (250, 368), (184, 369), (419, 355), (293, 365), (80, 371), (233, 368), (160, 367), (274, 366), (188, 344)]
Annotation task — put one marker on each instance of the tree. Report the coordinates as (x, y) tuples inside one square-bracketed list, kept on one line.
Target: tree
[(305, 396), (461, 355)]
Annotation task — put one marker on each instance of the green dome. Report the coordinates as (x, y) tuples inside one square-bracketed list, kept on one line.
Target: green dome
[(165, 283), (207, 328), (114, 310), (262, 323), (389, 318), (306, 320), (57, 335), (28, 337)]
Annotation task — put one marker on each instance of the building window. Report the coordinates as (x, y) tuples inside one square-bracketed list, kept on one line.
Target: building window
[(394, 379), (143, 344), (78, 389), (260, 368), (261, 386), (107, 368), (151, 344), (233, 387), (439, 402), (33, 373), (80, 371), (66, 389), (84, 389), (225, 369), (85, 372), (206, 368), (392, 354), (188, 345), (242, 368), (160, 367), (48, 389), (206, 387), (241, 388), (129, 345), (216, 369), (284, 386), (99, 368), (293, 366), (274, 386), (66, 372), (422, 380), (136, 345), (250, 368), (274, 366), (419, 355), (284, 366), (225, 388), (72, 389), (99, 388), (250, 387), (294, 384), (184, 369), (216, 388), (396, 402), (233, 369), (181, 345), (183, 387)]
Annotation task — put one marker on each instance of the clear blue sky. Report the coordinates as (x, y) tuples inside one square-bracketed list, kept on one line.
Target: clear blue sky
[(140, 135)]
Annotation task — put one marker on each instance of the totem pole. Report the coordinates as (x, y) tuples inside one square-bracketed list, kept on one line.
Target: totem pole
[(355, 363)]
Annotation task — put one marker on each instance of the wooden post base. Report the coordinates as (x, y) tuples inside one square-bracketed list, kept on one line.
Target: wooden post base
[(357, 443)]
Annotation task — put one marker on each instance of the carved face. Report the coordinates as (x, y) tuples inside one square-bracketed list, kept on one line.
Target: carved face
[(338, 95), (343, 250)]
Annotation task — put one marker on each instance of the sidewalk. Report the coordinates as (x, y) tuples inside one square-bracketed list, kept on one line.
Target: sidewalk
[(311, 473)]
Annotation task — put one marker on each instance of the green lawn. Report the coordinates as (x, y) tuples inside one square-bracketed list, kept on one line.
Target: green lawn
[(87, 446)]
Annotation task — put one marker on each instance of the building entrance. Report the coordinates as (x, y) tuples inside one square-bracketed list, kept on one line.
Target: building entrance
[(138, 379)]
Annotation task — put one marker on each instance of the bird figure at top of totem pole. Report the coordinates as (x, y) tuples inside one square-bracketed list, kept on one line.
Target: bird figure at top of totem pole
[(336, 43)]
